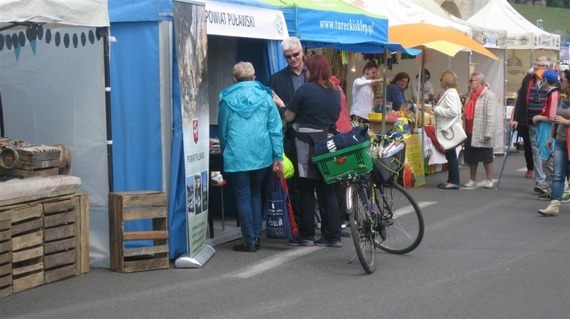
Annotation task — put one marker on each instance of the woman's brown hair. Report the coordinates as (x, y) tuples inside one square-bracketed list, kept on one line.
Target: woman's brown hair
[(401, 76)]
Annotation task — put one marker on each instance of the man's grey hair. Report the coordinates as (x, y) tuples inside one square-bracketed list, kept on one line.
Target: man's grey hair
[(542, 58), (291, 43)]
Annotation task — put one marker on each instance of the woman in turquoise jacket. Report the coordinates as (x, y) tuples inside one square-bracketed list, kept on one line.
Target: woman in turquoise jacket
[(251, 140)]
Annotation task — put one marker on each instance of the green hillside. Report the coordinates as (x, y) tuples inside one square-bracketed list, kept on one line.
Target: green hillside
[(556, 20)]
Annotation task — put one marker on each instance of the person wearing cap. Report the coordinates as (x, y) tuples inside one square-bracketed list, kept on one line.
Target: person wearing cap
[(530, 101), (251, 140), (559, 134), (543, 122)]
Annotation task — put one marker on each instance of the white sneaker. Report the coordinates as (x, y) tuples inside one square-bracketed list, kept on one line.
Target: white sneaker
[(470, 184), (486, 183)]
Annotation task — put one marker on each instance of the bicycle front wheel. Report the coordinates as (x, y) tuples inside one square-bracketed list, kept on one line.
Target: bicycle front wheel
[(401, 226), (361, 227)]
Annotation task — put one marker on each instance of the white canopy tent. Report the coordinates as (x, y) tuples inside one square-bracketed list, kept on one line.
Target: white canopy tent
[(521, 33), (407, 12), (494, 71), (525, 41), (52, 81), (91, 13)]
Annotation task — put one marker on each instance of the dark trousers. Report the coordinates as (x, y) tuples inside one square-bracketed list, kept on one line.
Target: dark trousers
[(522, 131), (452, 166), (328, 206)]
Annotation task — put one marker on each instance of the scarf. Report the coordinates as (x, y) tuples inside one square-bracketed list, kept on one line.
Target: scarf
[(470, 109)]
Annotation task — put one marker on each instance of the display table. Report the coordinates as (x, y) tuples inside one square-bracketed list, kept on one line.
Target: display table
[(376, 125)]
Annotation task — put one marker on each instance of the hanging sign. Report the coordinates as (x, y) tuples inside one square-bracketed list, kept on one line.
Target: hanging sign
[(228, 19)]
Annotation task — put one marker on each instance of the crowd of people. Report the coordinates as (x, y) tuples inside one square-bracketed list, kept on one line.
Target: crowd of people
[(305, 103), (540, 118)]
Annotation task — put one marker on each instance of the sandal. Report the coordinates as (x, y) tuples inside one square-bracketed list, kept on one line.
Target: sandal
[(450, 186)]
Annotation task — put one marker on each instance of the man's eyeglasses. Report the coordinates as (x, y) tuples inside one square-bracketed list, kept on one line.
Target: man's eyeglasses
[(540, 65), (294, 55), (472, 81)]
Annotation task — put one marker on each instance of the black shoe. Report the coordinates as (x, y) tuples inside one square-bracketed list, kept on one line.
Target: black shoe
[(245, 247), (257, 244)]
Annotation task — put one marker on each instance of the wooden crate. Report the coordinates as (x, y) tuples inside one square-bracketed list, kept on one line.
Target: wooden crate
[(5, 256), (127, 206), (27, 247), (49, 240), (60, 239), (31, 158), (29, 173), (30, 161)]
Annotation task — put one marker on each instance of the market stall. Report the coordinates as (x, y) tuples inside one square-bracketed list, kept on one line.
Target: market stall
[(53, 92), (524, 43)]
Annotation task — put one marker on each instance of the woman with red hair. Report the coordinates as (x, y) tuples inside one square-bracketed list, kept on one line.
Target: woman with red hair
[(314, 110)]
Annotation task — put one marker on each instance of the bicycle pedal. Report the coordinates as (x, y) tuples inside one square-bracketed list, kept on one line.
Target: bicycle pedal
[(388, 222)]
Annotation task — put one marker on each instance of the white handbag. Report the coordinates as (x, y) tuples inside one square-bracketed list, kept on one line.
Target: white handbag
[(451, 136)]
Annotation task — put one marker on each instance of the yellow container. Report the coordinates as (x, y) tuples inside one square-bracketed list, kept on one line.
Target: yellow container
[(373, 116)]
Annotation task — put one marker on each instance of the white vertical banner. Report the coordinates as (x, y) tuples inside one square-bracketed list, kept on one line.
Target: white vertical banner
[(191, 47)]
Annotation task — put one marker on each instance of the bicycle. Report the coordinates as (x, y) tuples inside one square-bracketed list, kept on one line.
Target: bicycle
[(382, 214)]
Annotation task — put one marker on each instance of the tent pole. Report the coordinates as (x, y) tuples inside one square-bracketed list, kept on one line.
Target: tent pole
[(1, 118), (423, 109), (384, 85), (104, 33)]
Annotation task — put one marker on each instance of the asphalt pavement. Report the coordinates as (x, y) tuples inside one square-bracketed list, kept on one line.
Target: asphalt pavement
[(486, 253)]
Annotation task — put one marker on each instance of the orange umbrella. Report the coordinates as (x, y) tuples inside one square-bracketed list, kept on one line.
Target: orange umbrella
[(434, 37), (447, 41)]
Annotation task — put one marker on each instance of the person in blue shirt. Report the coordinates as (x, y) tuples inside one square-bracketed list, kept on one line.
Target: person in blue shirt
[(251, 141), (395, 91)]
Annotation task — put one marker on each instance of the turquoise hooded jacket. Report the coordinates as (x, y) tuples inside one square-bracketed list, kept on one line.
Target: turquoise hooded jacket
[(250, 127)]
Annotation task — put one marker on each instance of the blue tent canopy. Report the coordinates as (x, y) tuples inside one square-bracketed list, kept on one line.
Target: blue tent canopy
[(134, 11), (333, 24)]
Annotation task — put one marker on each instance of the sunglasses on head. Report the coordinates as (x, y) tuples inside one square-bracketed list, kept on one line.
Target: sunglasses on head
[(294, 55)]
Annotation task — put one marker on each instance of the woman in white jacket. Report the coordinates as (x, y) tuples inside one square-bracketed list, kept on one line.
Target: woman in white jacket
[(447, 110)]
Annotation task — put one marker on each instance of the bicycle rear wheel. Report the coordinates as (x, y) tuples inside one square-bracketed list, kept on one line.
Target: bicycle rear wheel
[(401, 226), (361, 227)]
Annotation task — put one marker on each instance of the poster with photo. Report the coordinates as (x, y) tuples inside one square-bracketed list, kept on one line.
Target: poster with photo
[(191, 47)]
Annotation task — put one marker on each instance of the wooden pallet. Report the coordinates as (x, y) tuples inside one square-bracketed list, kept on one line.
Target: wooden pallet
[(5, 256), (128, 206), (27, 247), (49, 240), (60, 239)]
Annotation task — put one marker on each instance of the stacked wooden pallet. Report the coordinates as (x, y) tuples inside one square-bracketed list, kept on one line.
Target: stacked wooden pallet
[(43, 241), (5, 256)]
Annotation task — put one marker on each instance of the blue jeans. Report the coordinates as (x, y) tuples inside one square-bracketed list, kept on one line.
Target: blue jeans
[(247, 188), (452, 166), (560, 157)]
